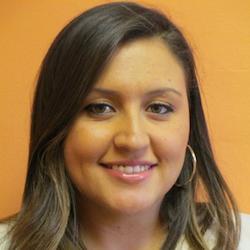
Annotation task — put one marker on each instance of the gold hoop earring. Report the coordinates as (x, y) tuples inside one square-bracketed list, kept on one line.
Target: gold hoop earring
[(194, 167)]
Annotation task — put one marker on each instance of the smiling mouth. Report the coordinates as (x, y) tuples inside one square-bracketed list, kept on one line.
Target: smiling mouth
[(129, 169)]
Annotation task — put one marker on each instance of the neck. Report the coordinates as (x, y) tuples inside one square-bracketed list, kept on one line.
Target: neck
[(102, 228)]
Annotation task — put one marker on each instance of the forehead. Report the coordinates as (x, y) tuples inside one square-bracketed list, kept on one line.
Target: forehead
[(143, 65)]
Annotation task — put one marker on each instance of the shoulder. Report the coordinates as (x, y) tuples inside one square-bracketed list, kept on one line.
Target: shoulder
[(245, 232), (244, 236), (4, 242), (210, 235)]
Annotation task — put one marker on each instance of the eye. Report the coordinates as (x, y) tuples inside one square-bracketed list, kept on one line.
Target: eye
[(162, 109), (98, 108), (104, 108)]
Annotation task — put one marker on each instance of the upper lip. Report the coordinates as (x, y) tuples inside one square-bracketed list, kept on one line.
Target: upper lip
[(129, 163)]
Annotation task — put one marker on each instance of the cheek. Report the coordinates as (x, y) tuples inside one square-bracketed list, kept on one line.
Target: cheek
[(86, 143), (170, 151), (82, 149), (171, 145)]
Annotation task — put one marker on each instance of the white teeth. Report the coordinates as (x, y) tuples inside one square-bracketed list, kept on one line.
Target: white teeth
[(128, 170), (137, 169), (131, 169)]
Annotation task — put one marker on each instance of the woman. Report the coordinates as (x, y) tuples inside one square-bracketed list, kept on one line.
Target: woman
[(119, 144)]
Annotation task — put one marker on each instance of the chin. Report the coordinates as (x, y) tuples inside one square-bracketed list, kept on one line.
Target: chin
[(132, 206)]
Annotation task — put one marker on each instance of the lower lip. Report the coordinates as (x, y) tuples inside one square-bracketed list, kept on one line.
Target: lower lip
[(130, 178)]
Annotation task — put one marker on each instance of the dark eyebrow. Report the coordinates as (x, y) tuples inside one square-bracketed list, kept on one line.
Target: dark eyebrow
[(150, 93)]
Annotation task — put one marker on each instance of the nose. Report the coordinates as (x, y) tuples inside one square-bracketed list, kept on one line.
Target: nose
[(132, 135)]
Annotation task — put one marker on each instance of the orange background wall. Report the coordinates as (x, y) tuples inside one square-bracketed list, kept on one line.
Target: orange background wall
[(220, 35)]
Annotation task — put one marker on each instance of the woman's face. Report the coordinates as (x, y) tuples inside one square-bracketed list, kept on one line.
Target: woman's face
[(136, 114)]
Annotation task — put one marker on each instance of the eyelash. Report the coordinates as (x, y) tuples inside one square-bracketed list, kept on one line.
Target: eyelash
[(90, 107)]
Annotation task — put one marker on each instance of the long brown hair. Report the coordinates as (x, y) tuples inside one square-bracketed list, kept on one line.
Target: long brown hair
[(78, 55)]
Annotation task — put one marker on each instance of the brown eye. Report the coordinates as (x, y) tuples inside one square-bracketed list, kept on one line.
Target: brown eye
[(98, 108), (161, 109)]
